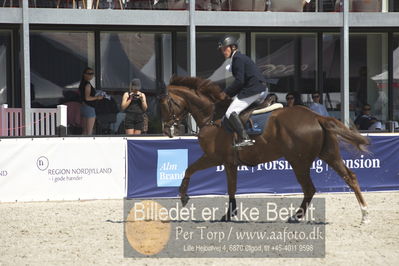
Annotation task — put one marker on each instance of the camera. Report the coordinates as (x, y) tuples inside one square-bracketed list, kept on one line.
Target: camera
[(134, 96)]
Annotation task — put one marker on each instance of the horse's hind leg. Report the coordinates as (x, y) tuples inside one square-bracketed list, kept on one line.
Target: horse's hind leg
[(231, 174), (202, 163), (331, 155), (302, 173), (350, 179)]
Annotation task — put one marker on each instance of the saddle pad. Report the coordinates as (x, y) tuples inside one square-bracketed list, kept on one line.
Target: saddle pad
[(259, 122)]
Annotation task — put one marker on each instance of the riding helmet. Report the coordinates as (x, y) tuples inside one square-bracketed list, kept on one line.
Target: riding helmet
[(227, 41)]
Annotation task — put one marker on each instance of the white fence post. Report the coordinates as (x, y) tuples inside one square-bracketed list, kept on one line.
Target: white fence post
[(62, 120), (3, 120)]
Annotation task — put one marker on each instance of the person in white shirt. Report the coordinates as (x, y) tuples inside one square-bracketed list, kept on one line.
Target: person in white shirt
[(316, 106)]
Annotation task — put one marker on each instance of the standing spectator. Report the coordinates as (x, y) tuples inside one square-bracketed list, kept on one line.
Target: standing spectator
[(88, 97), (366, 121), (134, 103), (293, 98), (316, 106)]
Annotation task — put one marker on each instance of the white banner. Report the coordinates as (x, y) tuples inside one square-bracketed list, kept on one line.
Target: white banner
[(42, 169)]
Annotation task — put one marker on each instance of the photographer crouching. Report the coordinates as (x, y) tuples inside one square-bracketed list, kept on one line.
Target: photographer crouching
[(134, 103)]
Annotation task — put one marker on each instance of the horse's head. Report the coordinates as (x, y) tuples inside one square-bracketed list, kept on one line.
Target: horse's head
[(173, 111), (189, 95)]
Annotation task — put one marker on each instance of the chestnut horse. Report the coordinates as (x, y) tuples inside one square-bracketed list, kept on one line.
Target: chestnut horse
[(295, 133)]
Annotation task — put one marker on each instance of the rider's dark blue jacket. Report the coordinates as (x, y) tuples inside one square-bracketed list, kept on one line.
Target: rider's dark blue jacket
[(248, 80)]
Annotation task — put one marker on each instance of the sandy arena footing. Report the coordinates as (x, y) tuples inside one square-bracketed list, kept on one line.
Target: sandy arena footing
[(91, 232)]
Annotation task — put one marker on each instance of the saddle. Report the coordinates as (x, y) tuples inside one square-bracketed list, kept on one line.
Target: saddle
[(266, 106), (255, 116)]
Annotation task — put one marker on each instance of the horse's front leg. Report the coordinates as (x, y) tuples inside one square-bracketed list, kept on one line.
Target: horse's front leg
[(202, 163), (231, 174)]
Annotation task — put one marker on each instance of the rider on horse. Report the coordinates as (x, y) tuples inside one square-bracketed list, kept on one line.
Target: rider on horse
[(249, 86)]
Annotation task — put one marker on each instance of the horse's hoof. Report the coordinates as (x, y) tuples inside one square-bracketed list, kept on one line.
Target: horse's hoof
[(228, 215), (365, 221), (184, 199), (293, 220), (226, 218), (365, 216)]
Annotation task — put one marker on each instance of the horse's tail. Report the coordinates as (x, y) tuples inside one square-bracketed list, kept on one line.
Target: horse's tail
[(351, 136)]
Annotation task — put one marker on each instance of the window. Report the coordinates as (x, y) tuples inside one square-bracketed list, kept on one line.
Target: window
[(128, 55), (287, 60), (57, 61), (331, 73), (5, 65), (368, 71), (395, 6), (143, 55), (210, 63), (395, 77), (368, 67)]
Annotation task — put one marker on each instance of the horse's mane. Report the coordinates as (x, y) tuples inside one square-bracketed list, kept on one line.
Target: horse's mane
[(200, 85)]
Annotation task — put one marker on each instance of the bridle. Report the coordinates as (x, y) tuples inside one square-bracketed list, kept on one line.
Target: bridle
[(173, 119)]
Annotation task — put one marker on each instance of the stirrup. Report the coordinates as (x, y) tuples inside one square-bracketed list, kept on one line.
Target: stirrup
[(244, 143)]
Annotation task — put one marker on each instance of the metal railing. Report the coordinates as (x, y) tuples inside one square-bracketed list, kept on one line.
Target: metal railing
[(216, 5), (43, 121)]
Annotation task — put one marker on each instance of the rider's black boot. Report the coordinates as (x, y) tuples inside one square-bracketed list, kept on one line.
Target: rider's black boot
[(244, 139)]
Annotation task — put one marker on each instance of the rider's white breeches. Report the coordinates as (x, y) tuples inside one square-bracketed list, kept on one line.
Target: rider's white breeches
[(238, 105)]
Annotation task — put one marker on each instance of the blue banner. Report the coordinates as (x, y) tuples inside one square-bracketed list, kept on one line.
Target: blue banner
[(156, 167)]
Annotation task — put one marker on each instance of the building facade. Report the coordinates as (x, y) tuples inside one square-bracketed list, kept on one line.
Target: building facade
[(349, 51)]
